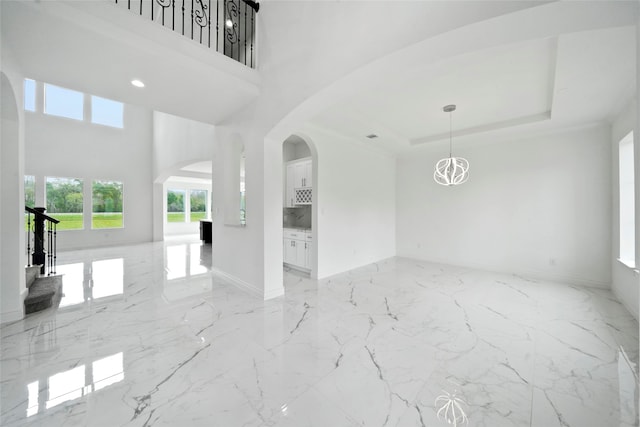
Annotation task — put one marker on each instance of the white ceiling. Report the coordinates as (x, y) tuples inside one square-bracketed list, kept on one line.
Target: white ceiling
[(200, 167), (98, 48), (569, 80)]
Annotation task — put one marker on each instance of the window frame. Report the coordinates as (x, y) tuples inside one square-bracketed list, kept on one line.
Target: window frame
[(47, 95), (93, 119), (56, 214), (93, 182), (184, 192), (626, 201), (30, 88)]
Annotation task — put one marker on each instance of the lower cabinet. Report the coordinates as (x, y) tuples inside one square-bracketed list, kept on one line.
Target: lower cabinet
[(296, 249)]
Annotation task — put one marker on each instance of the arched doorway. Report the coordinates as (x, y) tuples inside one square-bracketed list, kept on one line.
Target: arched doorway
[(300, 205), (12, 246)]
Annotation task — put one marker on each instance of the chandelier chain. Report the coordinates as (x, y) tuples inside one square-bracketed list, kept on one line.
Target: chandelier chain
[(450, 133)]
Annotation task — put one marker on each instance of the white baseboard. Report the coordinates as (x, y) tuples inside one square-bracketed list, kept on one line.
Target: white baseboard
[(239, 283), (532, 274), (274, 293), (297, 268), (12, 316)]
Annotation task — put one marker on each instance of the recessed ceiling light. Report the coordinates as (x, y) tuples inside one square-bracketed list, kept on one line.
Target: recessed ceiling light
[(137, 83)]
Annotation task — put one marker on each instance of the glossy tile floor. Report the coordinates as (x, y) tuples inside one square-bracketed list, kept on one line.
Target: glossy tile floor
[(148, 335)]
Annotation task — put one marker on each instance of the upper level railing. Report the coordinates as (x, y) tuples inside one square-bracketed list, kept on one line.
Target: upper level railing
[(228, 26), (42, 238)]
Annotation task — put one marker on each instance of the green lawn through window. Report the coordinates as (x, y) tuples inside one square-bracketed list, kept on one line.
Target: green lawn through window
[(175, 216), (68, 221), (74, 221), (106, 220), (197, 216)]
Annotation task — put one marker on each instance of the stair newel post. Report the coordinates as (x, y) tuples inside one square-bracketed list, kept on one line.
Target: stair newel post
[(29, 239), (55, 247), (39, 256), (49, 248)]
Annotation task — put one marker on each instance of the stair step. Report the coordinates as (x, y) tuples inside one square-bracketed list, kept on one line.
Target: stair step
[(44, 292), (31, 274)]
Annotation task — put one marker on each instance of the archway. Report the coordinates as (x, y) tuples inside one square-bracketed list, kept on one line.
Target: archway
[(12, 246), (190, 181), (300, 204)]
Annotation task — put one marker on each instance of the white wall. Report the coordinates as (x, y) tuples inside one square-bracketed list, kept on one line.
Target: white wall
[(62, 147), (238, 251), (178, 142), (625, 282), (538, 207), (12, 242), (354, 209)]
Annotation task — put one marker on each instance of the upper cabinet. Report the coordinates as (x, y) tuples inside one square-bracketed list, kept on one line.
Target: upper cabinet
[(302, 174), (290, 194), (299, 181)]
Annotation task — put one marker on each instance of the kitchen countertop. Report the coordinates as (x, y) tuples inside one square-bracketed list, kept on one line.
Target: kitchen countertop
[(296, 228)]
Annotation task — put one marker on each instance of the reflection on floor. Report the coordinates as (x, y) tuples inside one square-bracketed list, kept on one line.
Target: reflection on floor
[(149, 335)]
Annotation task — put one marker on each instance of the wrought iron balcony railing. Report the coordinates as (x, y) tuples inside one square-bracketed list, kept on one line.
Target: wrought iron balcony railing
[(228, 26)]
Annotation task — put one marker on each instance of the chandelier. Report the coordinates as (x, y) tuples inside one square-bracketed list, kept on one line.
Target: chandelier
[(452, 170)]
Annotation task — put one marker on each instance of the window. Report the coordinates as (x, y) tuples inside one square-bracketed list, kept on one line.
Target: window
[(106, 209), (65, 202), (29, 199), (175, 205), (63, 102), (198, 201), (627, 201), (30, 191), (106, 112), (29, 95)]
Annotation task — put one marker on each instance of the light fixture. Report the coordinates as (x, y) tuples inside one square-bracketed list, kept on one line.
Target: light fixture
[(137, 83), (228, 23), (452, 170)]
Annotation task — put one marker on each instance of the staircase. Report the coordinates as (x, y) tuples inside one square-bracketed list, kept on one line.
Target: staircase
[(44, 291), (45, 288)]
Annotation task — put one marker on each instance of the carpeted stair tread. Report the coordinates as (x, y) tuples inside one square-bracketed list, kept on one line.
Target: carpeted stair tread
[(42, 293), (31, 274)]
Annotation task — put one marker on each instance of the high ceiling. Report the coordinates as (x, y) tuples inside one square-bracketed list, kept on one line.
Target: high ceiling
[(98, 48), (571, 80)]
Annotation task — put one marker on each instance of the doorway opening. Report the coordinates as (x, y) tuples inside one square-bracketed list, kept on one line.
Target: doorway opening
[(299, 205)]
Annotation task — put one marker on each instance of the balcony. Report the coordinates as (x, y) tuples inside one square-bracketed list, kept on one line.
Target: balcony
[(228, 26)]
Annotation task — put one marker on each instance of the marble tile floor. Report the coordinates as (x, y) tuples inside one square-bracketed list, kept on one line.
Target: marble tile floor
[(148, 335)]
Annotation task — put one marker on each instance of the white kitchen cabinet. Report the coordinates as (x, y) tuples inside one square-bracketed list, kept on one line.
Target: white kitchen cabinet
[(297, 248), (308, 174), (290, 193), (299, 175), (290, 252), (307, 255), (298, 183), (303, 171)]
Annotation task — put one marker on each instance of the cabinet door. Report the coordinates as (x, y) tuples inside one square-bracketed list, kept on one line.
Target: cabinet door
[(307, 259), (301, 253), (299, 175), (308, 174), (290, 252), (290, 195)]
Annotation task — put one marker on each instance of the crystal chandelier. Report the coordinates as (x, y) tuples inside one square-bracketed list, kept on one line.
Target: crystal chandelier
[(452, 170)]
